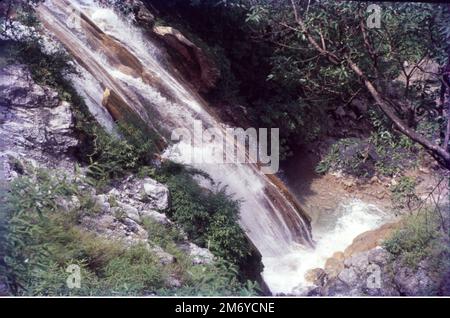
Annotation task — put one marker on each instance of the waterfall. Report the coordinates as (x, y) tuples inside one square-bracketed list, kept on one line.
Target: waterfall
[(115, 56)]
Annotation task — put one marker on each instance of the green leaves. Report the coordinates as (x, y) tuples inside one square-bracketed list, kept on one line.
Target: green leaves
[(419, 238), (257, 14), (404, 194), (210, 218)]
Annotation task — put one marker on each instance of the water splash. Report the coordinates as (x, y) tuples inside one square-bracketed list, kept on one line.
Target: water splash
[(287, 274)]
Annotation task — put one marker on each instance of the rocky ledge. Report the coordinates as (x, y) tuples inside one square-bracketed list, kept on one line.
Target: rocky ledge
[(366, 268)]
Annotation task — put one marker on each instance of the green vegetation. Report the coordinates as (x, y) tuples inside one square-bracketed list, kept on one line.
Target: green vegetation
[(108, 156), (352, 156), (421, 237), (291, 64), (209, 218), (221, 279), (404, 194), (40, 238), (384, 153)]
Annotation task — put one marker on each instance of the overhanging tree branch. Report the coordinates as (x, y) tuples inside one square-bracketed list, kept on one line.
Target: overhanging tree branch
[(438, 152)]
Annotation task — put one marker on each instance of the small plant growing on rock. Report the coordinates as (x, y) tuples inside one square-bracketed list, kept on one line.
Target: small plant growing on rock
[(416, 239), (404, 194)]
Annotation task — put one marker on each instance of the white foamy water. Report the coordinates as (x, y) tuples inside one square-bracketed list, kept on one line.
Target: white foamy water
[(287, 274)]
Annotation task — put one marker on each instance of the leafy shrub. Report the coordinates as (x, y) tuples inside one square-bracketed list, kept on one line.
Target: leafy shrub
[(418, 238), (395, 151), (404, 193), (384, 152), (353, 156), (209, 218)]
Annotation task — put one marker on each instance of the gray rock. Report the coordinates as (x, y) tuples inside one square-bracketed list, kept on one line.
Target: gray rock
[(163, 257), (108, 226), (335, 287), (198, 254), (34, 125), (358, 262), (376, 273), (155, 216), (19, 90), (348, 276), (412, 282), (173, 282), (156, 193), (101, 203), (378, 256), (130, 211)]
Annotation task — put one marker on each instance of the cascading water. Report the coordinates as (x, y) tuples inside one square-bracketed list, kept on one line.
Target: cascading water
[(333, 233), (115, 56)]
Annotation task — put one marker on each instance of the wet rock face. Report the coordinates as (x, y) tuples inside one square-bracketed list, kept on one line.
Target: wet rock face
[(193, 64)]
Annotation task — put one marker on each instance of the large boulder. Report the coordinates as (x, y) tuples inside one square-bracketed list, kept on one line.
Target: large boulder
[(375, 273), (198, 254), (144, 194), (130, 211)]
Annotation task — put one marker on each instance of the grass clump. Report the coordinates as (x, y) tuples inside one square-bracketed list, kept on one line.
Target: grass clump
[(419, 238)]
